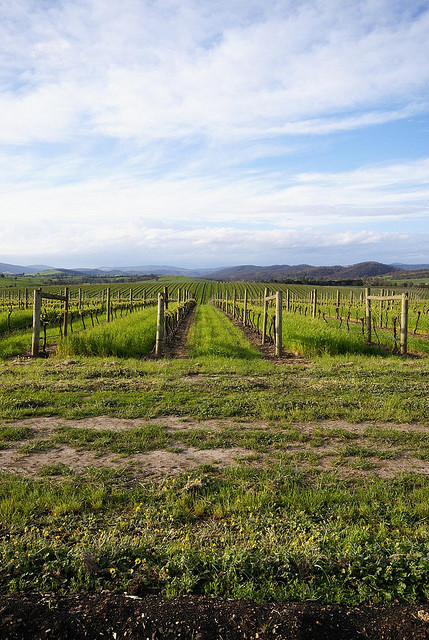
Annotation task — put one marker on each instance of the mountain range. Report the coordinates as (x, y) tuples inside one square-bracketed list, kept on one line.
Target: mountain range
[(243, 272)]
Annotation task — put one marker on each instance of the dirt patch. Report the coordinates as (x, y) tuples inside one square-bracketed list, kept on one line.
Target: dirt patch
[(359, 427), (321, 450), (46, 424), (32, 617), (268, 349), (176, 345), (151, 464)]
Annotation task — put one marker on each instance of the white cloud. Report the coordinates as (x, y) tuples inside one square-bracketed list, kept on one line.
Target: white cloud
[(120, 119), (376, 194), (206, 246), (168, 69)]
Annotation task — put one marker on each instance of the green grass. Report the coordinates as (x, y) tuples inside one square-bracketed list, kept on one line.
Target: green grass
[(272, 527), (212, 334), (345, 387), (19, 318), (131, 336), (276, 534)]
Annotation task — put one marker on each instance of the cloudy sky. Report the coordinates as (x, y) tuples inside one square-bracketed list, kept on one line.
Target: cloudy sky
[(214, 132)]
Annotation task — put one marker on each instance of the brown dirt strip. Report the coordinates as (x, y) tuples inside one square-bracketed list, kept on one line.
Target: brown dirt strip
[(176, 346), (157, 464), (268, 349), (83, 616)]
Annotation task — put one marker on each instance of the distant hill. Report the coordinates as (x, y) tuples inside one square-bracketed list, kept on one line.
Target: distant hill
[(158, 270), (410, 267), (16, 269), (249, 272), (304, 272)]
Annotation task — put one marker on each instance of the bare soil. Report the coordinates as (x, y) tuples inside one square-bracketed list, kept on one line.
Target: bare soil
[(176, 345), (79, 617), (322, 454), (268, 349)]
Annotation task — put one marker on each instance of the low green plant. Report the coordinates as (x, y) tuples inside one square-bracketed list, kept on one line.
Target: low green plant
[(131, 336), (212, 334)]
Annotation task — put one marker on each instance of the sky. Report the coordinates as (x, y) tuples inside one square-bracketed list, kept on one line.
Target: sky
[(206, 133)]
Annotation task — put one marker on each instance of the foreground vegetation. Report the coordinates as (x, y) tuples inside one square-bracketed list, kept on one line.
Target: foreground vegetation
[(311, 486), (132, 336), (272, 525), (276, 533)]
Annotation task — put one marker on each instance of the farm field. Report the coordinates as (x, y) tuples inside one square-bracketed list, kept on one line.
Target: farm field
[(223, 473)]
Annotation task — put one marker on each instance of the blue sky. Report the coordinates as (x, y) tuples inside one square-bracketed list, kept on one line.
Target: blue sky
[(217, 132)]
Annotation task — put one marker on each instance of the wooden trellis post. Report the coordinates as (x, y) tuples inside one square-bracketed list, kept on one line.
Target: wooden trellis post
[(234, 302), (278, 297), (66, 311), (404, 323), (108, 304), (264, 318), (279, 346), (38, 295), (159, 326), (314, 302), (368, 314), (245, 308), (37, 308)]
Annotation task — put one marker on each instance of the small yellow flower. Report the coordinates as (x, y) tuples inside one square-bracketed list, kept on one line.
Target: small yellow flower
[(137, 561), (112, 571)]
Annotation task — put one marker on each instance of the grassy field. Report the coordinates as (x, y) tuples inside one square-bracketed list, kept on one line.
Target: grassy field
[(130, 336), (220, 473)]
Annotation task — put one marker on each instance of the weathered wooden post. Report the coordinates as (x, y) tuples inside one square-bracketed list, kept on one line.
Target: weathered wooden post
[(159, 326), (26, 298), (368, 315), (37, 308), (226, 301), (314, 302), (166, 298), (337, 304), (404, 324), (279, 346), (264, 318), (287, 299), (179, 295), (108, 304), (66, 311), (234, 302), (79, 298), (245, 308)]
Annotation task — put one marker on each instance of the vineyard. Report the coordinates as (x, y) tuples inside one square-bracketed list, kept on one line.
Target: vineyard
[(328, 319), (239, 440)]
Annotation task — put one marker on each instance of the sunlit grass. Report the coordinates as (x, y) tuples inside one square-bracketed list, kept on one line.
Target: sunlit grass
[(132, 336), (212, 334)]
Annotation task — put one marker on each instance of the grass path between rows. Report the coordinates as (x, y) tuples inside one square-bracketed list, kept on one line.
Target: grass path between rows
[(213, 334)]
